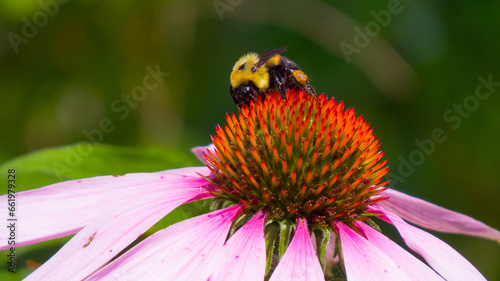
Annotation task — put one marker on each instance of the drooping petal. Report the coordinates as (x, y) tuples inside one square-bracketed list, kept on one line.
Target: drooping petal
[(299, 263), (443, 258), (200, 150), (102, 239), (243, 257), (362, 259), (64, 208), (178, 252), (412, 266), (434, 217)]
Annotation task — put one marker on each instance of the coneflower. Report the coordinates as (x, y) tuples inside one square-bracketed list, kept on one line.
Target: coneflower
[(296, 186)]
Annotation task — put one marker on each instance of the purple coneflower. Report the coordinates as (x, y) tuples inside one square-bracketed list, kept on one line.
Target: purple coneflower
[(295, 185)]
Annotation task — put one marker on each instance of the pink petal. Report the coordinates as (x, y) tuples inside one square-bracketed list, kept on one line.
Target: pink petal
[(189, 171), (434, 217), (299, 261), (200, 150), (175, 253), (362, 259), (243, 257), (443, 258), (105, 237), (64, 208), (412, 266)]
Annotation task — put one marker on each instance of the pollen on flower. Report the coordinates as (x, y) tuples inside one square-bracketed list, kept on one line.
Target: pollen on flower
[(303, 156)]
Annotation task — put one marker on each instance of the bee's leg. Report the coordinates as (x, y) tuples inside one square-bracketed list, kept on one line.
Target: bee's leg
[(261, 93), (282, 90), (310, 90), (280, 86)]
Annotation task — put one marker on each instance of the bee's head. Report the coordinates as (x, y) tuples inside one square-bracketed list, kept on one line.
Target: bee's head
[(244, 73), (250, 75), (246, 80)]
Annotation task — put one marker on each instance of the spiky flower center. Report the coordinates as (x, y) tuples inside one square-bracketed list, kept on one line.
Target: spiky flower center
[(304, 156)]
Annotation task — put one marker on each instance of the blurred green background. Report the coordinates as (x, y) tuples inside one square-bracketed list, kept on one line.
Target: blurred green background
[(411, 68)]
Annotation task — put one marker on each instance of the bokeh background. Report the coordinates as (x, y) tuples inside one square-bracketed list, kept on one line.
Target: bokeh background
[(409, 67)]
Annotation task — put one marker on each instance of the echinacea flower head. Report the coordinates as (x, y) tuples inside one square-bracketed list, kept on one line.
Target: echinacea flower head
[(301, 157), (296, 188)]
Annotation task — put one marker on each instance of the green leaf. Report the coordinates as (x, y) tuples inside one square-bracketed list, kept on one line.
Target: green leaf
[(272, 231), (286, 228), (323, 236)]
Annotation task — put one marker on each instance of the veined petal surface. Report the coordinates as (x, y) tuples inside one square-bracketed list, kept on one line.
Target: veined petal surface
[(434, 217), (243, 257), (64, 208), (412, 266), (179, 252), (101, 240), (443, 258), (188, 171), (363, 261), (300, 262)]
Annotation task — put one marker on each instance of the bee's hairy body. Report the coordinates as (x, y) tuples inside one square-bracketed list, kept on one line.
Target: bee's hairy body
[(255, 74)]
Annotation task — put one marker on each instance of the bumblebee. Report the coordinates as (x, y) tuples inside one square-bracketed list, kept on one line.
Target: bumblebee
[(254, 74)]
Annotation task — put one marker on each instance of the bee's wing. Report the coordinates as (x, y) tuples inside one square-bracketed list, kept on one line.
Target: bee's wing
[(264, 57)]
